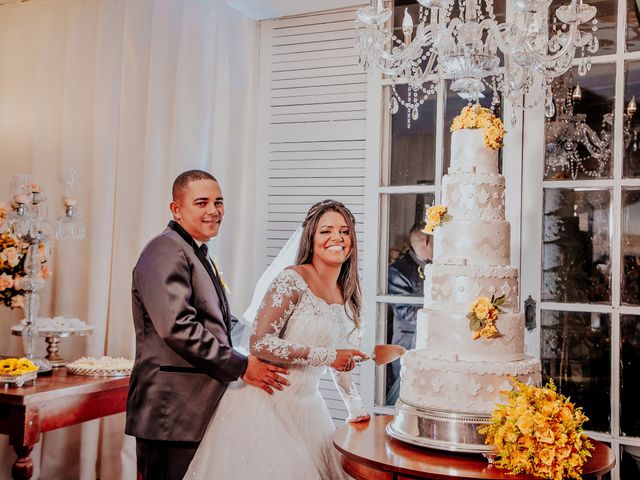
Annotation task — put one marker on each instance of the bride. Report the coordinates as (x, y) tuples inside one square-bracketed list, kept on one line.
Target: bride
[(308, 320)]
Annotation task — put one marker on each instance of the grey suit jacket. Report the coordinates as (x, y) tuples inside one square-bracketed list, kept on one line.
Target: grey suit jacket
[(184, 358)]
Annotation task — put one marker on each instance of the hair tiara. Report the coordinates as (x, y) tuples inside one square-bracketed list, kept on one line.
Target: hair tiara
[(313, 211)]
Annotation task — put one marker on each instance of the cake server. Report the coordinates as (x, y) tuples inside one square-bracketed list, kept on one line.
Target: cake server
[(385, 353)]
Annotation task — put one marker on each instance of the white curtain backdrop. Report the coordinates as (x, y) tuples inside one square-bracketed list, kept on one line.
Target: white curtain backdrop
[(128, 93)]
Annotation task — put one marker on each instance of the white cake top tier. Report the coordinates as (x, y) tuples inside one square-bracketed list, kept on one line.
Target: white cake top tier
[(469, 154)]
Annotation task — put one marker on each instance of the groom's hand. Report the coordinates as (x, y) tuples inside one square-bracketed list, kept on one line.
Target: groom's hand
[(264, 376)]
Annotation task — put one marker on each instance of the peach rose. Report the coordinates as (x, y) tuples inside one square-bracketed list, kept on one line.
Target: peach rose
[(6, 281), (17, 302), (525, 424), (481, 311), (13, 256), (545, 435), (20, 198)]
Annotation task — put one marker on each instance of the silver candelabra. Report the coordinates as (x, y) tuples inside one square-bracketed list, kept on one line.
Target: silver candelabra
[(29, 229)]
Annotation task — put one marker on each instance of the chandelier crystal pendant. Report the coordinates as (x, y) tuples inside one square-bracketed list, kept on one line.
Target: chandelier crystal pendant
[(466, 48)]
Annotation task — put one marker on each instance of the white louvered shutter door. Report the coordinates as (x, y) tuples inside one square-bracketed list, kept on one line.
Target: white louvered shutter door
[(312, 129)]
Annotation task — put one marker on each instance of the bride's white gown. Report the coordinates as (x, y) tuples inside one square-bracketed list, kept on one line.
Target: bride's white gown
[(284, 436)]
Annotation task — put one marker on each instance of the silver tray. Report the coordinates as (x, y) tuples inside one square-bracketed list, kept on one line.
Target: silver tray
[(19, 380), (99, 372), (450, 431), (70, 332)]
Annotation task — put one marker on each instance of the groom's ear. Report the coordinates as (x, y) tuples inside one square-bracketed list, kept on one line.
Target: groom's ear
[(174, 206)]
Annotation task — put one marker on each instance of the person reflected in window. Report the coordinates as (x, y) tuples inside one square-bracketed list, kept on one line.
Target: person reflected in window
[(406, 278)]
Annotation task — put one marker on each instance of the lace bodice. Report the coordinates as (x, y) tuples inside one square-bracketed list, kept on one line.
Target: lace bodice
[(296, 328)]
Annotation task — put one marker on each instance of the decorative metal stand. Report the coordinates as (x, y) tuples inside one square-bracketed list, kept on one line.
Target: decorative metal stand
[(441, 430), (53, 350), (53, 339)]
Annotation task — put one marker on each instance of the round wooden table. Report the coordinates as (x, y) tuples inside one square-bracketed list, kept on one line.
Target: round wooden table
[(368, 453)]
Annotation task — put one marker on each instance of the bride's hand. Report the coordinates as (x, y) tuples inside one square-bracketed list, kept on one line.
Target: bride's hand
[(346, 359)]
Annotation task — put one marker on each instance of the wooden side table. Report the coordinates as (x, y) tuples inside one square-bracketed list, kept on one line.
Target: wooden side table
[(55, 401), (368, 453)]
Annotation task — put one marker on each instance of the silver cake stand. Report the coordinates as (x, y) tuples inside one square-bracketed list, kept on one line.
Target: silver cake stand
[(53, 339), (451, 431)]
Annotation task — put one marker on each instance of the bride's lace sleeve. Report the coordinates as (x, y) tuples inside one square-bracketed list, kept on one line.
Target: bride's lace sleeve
[(271, 321), (344, 381)]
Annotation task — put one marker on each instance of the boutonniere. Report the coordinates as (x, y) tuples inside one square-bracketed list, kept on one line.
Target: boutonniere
[(220, 277)]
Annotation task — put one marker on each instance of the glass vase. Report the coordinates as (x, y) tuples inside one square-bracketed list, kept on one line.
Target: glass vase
[(30, 331)]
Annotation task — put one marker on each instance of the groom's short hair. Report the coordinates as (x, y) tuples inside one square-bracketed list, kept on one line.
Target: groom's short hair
[(185, 178)]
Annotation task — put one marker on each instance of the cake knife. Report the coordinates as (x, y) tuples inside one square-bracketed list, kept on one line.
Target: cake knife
[(385, 353)]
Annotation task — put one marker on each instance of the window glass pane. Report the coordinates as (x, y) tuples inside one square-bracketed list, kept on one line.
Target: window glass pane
[(579, 137), (633, 26), (631, 124), (388, 376), (576, 267), (406, 213), (413, 149), (576, 354), (409, 251), (629, 375), (401, 330), (629, 462), (630, 285)]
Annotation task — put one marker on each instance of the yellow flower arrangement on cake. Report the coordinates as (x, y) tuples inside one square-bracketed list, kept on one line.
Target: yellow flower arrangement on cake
[(16, 366), (483, 315), (434, 217), (475, 116), (538, 432)]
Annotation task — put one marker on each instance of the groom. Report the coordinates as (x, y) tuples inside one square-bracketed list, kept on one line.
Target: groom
[(184, 357)]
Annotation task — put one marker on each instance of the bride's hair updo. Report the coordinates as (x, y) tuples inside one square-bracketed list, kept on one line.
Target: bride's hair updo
[(348, 278)]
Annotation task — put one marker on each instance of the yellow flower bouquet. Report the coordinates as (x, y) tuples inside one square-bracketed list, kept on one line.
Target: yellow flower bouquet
[(434, 217), (483, 315), (475, 116), (16, 366), (538, 432)]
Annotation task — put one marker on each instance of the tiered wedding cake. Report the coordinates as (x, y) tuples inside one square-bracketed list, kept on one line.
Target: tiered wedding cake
[(470, 335)]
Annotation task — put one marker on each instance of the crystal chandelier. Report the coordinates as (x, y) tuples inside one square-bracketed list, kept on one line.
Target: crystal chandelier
[(466, 49), (571, 144)]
